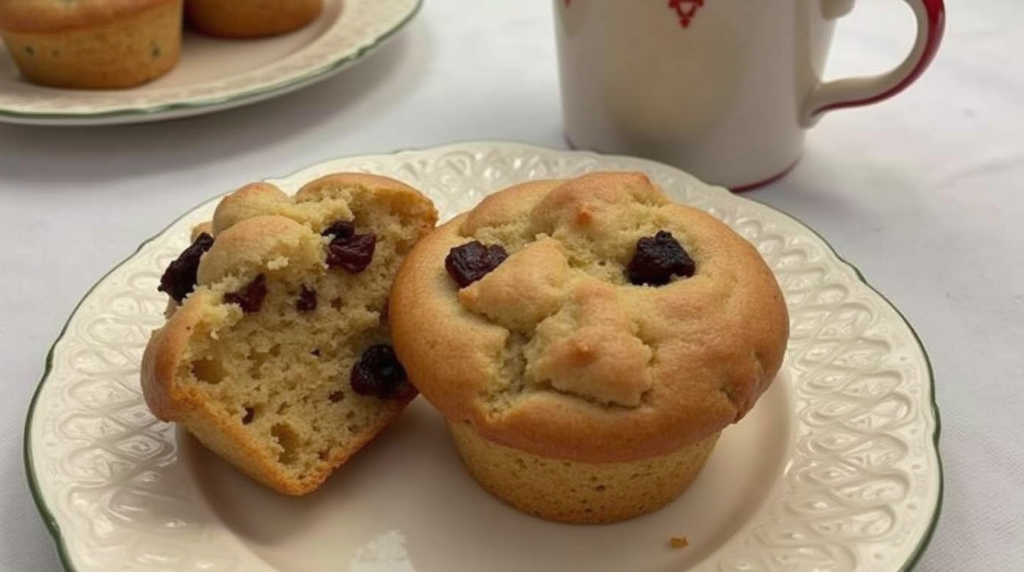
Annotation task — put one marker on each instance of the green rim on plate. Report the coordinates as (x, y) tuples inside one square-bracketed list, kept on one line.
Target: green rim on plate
[(927, 538), (54, 527), (234, 99)]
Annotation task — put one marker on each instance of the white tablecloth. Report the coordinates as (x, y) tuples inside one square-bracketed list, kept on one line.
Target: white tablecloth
[(925, 194)]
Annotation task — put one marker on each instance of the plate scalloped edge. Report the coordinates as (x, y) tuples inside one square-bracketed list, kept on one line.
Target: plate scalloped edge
[(862, 489), (339, 49)]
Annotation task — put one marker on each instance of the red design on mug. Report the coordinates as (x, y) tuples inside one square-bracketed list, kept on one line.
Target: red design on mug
[(685, 9)]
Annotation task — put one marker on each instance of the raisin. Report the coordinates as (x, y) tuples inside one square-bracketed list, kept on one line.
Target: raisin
[(251, 297), (657, 259), (377, 372), (250, 413), (179, 279), (472, 261), (307, 300), (352, 254), (340, 229)]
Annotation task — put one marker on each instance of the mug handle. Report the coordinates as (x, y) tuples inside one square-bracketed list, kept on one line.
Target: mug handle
[(855, 92)]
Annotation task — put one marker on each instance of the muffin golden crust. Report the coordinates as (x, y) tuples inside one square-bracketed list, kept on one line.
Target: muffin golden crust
[(556, 354), (579, 493), (278, 358), (59, 15), (92, 44), (250, 18)]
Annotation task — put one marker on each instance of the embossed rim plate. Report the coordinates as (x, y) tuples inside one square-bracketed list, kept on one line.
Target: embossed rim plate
[(347, 32), (858, 487)]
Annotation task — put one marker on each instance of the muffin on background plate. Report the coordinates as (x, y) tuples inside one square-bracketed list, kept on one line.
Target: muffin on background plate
[(587, 340), (250, 18), (92, 44)]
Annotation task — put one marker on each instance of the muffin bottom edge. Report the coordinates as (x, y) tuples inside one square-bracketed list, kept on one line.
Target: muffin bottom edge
[(575, 492)]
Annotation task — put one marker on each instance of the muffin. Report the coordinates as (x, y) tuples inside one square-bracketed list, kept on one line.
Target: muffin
[(250, 18), (278, 357), (92, 44), (587, 341)]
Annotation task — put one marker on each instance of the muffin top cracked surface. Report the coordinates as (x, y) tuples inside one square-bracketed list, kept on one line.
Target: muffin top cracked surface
[(597, 322)]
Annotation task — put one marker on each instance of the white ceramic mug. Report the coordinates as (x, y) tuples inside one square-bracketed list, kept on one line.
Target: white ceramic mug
[(724, 89)]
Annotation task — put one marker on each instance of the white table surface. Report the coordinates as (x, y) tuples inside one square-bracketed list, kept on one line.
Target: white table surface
[(925, 194)]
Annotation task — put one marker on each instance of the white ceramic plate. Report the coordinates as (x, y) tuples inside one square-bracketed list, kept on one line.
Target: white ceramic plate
[(836, 470), (216, 74)]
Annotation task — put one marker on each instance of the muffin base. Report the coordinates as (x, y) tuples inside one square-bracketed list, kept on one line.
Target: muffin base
[(575, 492), (235, 19), (120, 54)]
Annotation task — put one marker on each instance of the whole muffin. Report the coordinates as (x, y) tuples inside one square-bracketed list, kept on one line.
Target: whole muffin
[(587, 341), (250, 18), (92, 44)]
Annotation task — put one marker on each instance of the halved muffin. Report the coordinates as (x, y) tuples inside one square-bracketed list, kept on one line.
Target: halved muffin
[(279, 357)]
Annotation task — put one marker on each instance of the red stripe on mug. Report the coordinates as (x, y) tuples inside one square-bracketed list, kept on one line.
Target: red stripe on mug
[(936, 27)]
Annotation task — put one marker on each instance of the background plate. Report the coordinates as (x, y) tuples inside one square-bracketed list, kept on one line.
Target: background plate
[(216, 74), (836, 470)]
